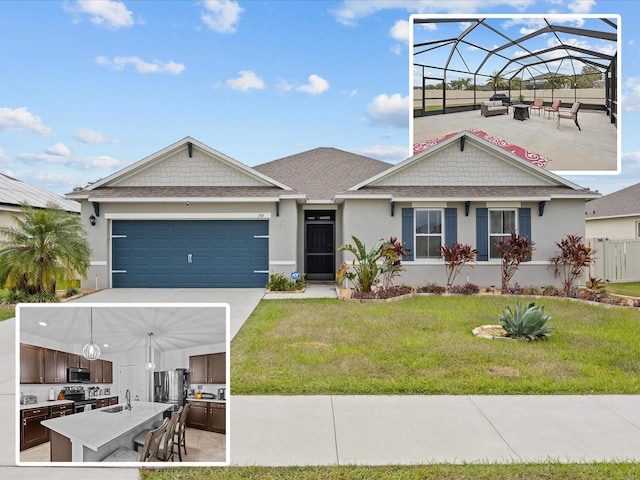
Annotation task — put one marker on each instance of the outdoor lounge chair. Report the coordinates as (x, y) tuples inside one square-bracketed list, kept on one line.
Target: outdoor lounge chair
[(537, 105), (573, 114), (555, 107)]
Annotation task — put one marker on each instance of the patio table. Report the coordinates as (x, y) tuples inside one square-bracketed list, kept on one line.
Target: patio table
[(520, 111)]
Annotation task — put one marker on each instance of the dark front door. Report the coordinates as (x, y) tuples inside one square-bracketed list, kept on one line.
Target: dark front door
[(319, 245)]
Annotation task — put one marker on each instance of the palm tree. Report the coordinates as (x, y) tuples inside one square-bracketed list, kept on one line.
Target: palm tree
[(44, 245)]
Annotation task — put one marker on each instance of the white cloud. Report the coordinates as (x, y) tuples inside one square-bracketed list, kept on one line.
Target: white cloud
[(21, 119), (388, 153), (631, 98), (59, 149), (581, 6), (110, 14), (247, 80), (352, 10), (527, 31), (141, 66), (86, 135), (389, 110), (99, 162), (221, 16), (400, 30), (316, 85), (284, 86), (2, 155)]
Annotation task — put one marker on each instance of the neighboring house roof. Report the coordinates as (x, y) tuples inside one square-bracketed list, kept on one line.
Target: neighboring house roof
[(322, 172), (14, 193), (466, 166), (623, 203)]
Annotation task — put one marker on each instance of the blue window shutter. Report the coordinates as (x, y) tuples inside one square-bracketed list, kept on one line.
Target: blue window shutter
[(482, 234), (524, 223), (450, 225), (408, 232)]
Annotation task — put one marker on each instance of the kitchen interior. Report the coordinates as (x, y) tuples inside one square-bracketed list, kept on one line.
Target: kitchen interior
[(93, 375)]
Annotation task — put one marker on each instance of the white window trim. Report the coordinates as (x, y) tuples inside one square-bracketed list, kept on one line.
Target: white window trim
[(515, 212), (416, 235)]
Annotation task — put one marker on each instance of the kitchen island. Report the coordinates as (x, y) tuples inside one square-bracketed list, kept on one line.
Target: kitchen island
[(91, 436)]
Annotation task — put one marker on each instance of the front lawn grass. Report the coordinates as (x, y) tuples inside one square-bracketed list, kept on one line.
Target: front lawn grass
[(6, 313), (541, 471), (424, 345), (631, 289)]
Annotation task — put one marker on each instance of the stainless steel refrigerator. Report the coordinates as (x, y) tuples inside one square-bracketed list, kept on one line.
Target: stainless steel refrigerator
[(171, 387)]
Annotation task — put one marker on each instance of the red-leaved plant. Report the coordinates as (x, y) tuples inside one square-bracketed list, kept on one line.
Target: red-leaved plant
[(392, 254), (569, 264), (455, 257), (514, 250)]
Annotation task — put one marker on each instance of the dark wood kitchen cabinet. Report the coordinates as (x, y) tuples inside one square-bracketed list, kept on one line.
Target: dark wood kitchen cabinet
[(55, 366), (210, 368), (32, 433), (31, 364), (61, 410), (197, 417), (96, 371), (77, 361), (107, 371), (209, 416)]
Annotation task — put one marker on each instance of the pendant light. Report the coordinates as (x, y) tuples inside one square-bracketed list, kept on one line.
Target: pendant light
[(91, 351), (150, 366)]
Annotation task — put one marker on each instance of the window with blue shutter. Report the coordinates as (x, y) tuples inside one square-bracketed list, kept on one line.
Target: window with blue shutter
[(524, 224), (450, 226), (408, 232), (482, 234)]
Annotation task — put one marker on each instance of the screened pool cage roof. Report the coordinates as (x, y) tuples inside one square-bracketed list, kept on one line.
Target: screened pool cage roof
[(528, 49)]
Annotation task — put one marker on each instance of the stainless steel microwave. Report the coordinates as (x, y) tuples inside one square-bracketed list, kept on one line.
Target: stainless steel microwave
[(78, 375)]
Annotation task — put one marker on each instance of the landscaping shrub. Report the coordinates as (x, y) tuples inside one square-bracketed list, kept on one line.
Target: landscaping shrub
[(514, 290), (466, 289), (392, 255), (551, 291), (13, 297), (431, 288), (569, 263), (366, 272), (383, 293), (514, 250), (455, 257), (279, 283), (42, 297), (71, 292), (528, 323)]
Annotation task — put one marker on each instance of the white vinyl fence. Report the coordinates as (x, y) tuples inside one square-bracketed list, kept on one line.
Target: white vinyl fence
[(616, 261)]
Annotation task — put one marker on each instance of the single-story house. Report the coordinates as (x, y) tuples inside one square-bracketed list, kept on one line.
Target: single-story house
[(616, 215), (190, 216), (14, 193)]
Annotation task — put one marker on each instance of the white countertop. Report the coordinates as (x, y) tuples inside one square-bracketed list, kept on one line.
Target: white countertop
[(96, 428), (189, 399), (46, 404), (102, 397)]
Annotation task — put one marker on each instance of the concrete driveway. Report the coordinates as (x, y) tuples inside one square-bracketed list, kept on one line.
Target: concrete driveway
[(242, 301)]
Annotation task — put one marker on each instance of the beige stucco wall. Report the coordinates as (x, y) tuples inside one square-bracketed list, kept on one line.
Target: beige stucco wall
[(621, 228), (371, 220)]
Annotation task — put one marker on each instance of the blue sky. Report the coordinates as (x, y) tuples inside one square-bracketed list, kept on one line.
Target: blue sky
[(90, 87)]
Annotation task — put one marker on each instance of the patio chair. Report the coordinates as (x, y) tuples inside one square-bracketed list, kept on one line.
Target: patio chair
[(537, 105), (555, 107), (573, 114)]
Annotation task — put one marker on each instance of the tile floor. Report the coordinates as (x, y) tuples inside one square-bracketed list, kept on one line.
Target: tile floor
[(202, 446)]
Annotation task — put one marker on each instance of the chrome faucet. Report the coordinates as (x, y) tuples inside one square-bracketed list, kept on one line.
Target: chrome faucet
[(127, 396)]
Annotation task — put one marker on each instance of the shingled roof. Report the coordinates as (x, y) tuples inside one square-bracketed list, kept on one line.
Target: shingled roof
[(322, 172), (617, 204)]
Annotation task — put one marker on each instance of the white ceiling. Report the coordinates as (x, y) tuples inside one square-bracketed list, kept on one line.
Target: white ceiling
[(125, 327)]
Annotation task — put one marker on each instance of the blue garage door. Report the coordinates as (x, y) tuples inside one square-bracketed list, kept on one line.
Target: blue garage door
[(189, 253)]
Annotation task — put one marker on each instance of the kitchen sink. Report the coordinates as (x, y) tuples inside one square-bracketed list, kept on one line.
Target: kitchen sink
[(116, 409)]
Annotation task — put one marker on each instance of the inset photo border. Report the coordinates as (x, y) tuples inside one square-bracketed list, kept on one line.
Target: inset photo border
[(94, 379), (543, 87)]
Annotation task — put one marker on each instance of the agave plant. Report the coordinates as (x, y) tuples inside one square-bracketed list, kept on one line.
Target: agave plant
[(527, 323)]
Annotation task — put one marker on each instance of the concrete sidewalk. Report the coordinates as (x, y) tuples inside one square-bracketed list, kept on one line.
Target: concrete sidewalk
[(376, 430)]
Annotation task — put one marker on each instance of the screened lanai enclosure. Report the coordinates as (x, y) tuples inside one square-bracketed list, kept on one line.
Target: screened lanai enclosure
[(460, 62), (547, 85)]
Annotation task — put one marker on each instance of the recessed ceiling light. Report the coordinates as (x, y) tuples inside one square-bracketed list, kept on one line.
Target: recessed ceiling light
[(105, 345), (44, 324)]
